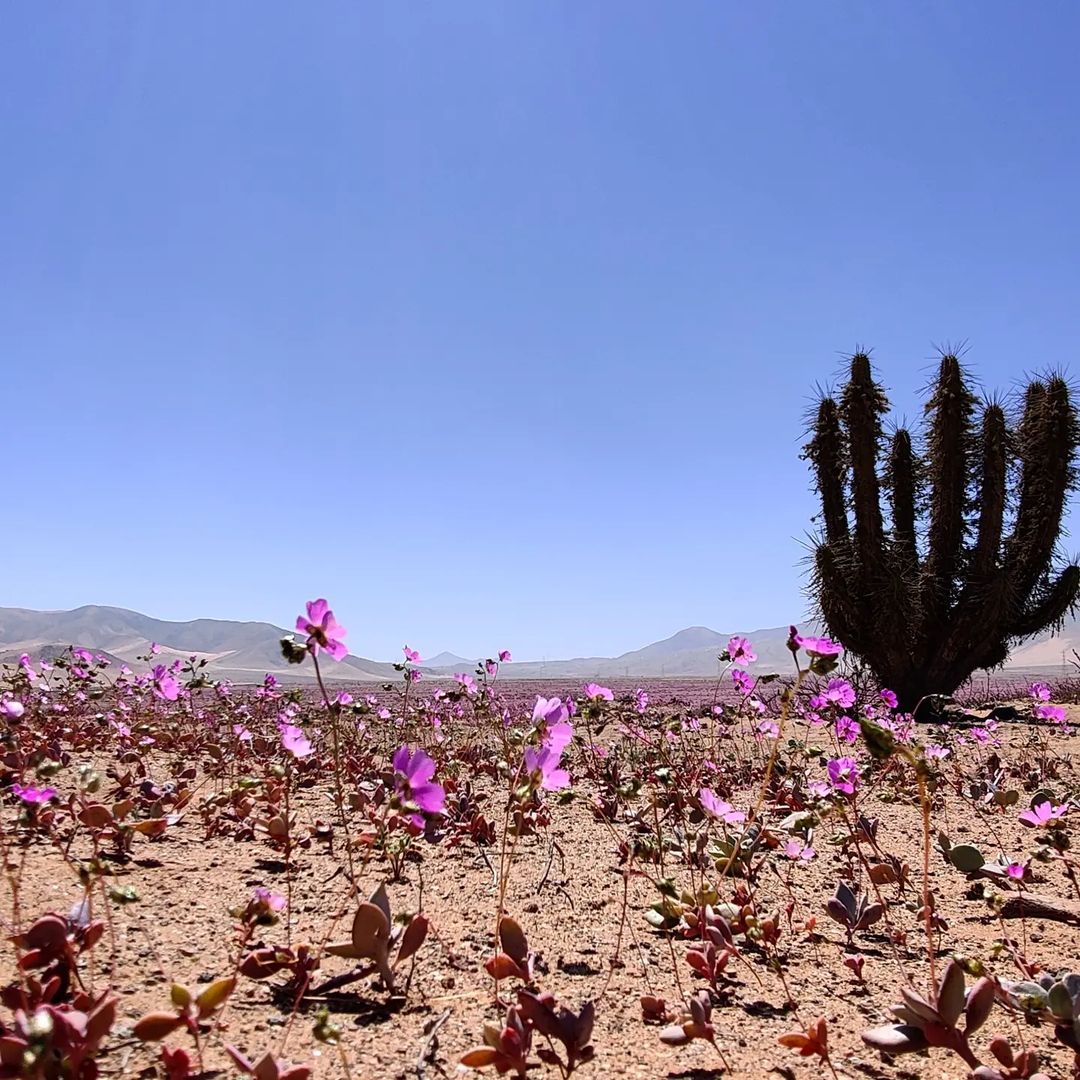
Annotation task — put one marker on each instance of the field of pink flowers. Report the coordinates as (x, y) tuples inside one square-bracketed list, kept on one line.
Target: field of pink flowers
[(771, 875)]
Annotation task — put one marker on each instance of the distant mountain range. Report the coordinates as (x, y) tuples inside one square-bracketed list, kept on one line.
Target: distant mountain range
[(246, 651)]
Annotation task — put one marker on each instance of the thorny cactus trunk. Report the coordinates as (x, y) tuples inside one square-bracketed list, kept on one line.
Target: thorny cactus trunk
[(959, 560)]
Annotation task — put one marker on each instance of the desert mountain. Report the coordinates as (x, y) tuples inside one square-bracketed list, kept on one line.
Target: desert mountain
[(245, 651)]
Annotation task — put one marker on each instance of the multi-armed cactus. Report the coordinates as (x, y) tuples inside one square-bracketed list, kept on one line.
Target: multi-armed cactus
[(959, 560)]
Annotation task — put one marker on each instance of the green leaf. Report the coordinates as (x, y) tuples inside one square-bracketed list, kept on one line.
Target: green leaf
[(967, 858)]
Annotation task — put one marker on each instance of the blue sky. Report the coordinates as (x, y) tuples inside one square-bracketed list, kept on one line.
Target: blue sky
[(495, 323)]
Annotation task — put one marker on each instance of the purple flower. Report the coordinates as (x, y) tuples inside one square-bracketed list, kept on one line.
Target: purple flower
[(1039, 691), (1056, 713), (294, 740), (847, 730), (743, 681), (165, 686), (844, 774), (718, 809), (542, 766), (1015, 870), (933, 750), (491, 667), (504, 656), (155, 648), (411, 655), (241, 732), (412, 782), (595, 692), (323, 630), (641, 700), (768, 729), (550, 712), (1043, 814), (817, 646), (467, 682), (740, 651), (33, 796), (889, 698)]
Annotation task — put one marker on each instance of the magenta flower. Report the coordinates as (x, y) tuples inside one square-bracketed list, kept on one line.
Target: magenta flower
[(718, 809), (740, 651), (241, 732), (933, 750), (550, 711), (294, 740), (1055, 713), (155, 648), (744, 682), (817, 646), (1043, 814), (413, 783), (1015, 870), (542, 766), (33, 796), (467, 682), (641, 700), (595, 692), (323, 630), (1039, 691), (889, 698), (165, 686), (491, 667), (843, 774), (847, 730), (411, 655), (504, 656)]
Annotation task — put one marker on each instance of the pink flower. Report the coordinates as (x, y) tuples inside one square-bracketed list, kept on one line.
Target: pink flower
[(411, 655), (550, 711), (343, 698), (1039, 691), (542, 766), (1055, 713), (271, 900), (491, 667), (155, 648), (323, 630), (847, 730), (740, 651), (33, 796), (843, 774), (641, 700), (889, 698), (933, 750), (28, 670), (816, 646), (743, 681), (1043, 814), (718, 809), (241, 732), (1015, 870), (796, 849), (467, 682), (413, 772), (839, 692), (595, 692), (294, 740), (165, 686), (768, 729), (504, 656), (11, 709)]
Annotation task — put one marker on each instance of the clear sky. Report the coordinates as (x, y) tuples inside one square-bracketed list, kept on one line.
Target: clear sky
[(495, 323)]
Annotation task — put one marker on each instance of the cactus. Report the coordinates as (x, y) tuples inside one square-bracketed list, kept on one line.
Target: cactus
[(930, 565)]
